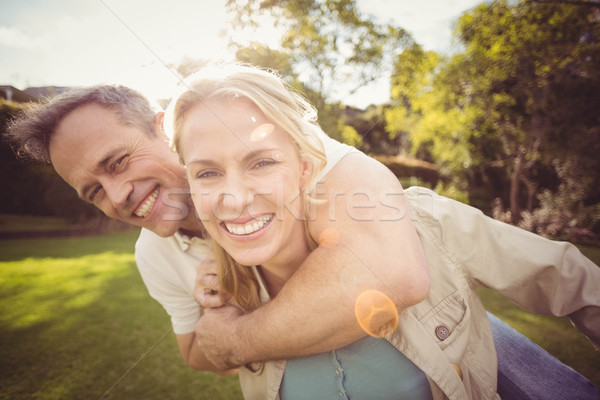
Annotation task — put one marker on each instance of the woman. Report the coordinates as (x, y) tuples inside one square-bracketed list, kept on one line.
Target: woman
[(252, 161), (251, 190)]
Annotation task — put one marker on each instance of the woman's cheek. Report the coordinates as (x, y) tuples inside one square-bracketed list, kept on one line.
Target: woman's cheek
[(202, 203)]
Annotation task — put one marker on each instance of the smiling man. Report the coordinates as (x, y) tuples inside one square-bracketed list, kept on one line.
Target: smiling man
[(122, 170)]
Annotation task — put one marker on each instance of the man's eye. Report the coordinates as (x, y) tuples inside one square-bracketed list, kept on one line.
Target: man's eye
[(119, 162), (94, 193)]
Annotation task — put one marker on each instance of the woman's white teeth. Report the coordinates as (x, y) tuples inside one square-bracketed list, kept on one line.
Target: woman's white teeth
[(145, 208), (250, 227)]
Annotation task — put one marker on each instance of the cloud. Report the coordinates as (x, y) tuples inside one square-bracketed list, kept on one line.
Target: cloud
[(16, 38)]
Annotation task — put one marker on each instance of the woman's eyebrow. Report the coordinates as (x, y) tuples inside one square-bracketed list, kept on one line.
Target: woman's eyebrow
[(247, 157)]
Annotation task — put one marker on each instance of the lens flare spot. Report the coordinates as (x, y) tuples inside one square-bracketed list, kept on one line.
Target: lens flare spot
[(261, 132), (458, 371), (376, 313), (329, 237)]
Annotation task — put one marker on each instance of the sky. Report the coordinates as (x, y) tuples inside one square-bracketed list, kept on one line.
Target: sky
[(133, 42)]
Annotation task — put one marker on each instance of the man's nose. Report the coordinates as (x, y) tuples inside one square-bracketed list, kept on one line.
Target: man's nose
[(118, 192)]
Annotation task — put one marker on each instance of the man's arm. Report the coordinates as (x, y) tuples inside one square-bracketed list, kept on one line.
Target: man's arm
[(195, 358), (206, 292), (162, 266), (370, 244)]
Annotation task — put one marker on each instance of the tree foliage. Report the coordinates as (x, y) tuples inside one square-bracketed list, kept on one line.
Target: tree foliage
[(534, 73), (511, 112), (328, 48), (432, 110), (330, 43)]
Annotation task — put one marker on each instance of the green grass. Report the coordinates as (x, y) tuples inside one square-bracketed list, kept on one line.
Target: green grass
[(76, 322)]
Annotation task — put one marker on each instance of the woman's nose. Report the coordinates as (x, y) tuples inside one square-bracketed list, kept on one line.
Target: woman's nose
[(236, 196)]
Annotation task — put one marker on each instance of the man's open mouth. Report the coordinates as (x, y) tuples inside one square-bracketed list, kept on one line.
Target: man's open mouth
[(147, 205)]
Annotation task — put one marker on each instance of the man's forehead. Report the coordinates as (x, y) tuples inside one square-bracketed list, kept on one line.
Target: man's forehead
[(84, 141)]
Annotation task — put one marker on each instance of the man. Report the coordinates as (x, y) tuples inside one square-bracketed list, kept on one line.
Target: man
[(106, 143)]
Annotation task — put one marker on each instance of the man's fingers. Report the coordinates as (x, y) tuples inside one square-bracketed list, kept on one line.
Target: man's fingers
[(208, 300), (208, 266), (207, 291), (208, 281)]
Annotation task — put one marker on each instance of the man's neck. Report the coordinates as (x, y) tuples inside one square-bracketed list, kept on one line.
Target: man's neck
[(199, 233)]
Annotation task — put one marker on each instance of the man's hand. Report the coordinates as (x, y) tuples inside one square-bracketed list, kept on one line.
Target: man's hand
[(214, 304), (216, 336), (206, 288)]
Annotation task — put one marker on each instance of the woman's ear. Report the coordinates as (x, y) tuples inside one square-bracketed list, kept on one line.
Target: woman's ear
[(306, 169)]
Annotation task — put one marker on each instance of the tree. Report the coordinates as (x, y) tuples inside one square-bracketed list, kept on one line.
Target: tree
[(429, 93), (328, 45), (522, 59), (329, 42)]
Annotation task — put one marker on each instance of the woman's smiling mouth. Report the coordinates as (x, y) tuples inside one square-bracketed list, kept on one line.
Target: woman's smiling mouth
[(249, 227)]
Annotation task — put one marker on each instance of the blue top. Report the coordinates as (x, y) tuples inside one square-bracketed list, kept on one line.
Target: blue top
[(369, 369)]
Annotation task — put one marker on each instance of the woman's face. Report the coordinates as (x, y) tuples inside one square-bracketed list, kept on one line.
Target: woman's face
[(246, 178)]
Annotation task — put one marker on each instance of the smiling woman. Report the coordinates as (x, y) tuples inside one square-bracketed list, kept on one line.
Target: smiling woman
[(251, 185), (253, 157), (250, 193)]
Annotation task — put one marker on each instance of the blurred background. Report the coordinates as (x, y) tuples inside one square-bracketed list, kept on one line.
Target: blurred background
[(493, 103)]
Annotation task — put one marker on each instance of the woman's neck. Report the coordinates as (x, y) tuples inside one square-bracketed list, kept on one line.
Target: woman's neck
[(277, 272)]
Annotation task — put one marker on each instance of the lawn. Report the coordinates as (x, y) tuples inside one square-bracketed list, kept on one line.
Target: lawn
[(77, 323)]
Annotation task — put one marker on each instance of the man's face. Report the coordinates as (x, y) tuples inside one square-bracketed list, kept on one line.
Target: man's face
[(123, 171)]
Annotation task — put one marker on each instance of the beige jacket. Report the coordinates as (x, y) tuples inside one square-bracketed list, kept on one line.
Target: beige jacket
[(449, 331)]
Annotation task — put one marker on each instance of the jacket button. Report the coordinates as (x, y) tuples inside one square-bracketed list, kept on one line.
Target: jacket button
[(442, 332)]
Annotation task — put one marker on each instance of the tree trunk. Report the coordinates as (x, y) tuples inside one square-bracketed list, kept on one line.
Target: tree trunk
[(515, 184)]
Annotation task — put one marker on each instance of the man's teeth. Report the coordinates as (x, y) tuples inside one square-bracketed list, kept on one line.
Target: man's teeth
[(250, 227), (145, 208)]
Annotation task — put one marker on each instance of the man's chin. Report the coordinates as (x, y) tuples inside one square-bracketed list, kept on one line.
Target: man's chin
[(163, 229)]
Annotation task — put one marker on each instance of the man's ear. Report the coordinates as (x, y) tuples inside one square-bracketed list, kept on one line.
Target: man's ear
[(158, 123)]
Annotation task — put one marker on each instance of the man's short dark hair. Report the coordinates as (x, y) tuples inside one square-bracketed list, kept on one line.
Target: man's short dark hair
[(30, 132)]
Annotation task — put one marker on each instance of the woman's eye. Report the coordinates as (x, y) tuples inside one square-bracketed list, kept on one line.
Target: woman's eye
[(206, 174), (264, 163)]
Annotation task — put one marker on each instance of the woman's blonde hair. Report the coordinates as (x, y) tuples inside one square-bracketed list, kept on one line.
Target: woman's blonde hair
[(281, 105)]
